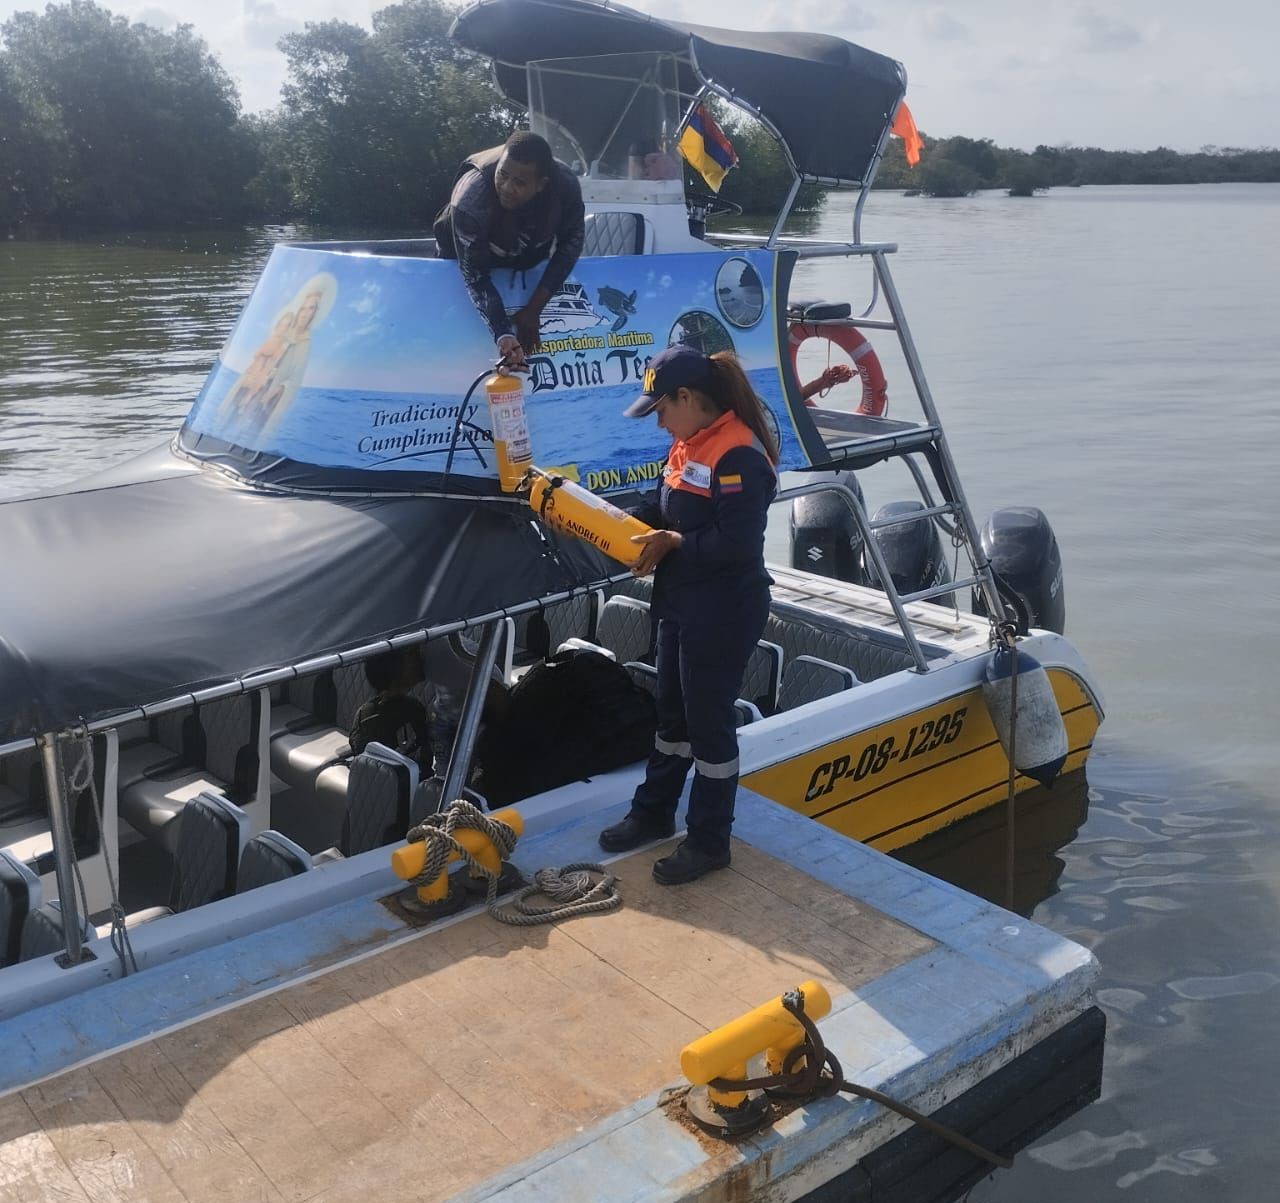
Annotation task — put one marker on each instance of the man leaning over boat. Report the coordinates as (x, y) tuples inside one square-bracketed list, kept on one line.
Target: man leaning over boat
[(513, 206)]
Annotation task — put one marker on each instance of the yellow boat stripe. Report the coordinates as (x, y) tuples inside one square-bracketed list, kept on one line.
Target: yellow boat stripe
[(929, 768), (958, 768), (1026, 782)]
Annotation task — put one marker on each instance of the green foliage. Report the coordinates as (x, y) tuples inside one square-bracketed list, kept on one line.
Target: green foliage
[(959, 166), (137, 126), (373, 125), (104, 122), (977, 157), (29, 148), (940, 176), (762, 178)]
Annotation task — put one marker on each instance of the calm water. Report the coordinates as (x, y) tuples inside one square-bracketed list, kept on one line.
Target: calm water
[(1110, 355)]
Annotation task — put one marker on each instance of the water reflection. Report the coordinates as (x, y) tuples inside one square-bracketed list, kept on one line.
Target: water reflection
[(973, 854)]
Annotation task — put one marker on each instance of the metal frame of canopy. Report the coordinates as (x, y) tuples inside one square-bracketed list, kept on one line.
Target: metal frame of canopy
[(480, 27)]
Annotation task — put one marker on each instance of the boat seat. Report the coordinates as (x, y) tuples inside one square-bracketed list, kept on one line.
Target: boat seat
[(211, 837), (380, 784), (305, 743), (213, 748), (818, 311), (44, 933), (644, 675), (616, 233), (626, 630), (799, 635), (746, 712), (761, 677), (19, 896), (426, 799), (807, 678), (270, 857), (542, 632)]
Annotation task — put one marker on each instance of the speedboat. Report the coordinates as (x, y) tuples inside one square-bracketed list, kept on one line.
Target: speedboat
[(196, 619), (183, 637)]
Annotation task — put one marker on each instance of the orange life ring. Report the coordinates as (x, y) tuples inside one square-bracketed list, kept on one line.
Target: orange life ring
[(875, 395)]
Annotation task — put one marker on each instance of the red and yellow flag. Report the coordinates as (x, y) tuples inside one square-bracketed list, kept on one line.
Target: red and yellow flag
[(708, 151)]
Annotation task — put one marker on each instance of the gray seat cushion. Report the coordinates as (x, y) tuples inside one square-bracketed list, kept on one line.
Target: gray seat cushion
[(43, 932), (614, 234), (267, 858), (19, 896), (626, 629), (206, 857), (761, 676), (377, 805), (806, 678)]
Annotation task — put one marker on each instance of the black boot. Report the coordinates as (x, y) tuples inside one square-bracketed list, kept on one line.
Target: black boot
[(634, 830), (687, 864)]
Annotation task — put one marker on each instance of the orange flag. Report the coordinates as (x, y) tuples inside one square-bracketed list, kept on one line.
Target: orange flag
[(904, 125)]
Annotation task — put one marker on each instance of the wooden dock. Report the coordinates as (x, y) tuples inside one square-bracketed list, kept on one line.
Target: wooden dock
[(479, 1061)]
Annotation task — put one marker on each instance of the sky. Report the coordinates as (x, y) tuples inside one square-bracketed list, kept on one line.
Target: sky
[(1118, 74)]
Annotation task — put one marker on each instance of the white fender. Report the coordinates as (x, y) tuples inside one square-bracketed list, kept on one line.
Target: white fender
[(1041, 745)]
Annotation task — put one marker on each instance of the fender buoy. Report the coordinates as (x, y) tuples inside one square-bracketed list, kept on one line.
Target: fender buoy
[(875, 396), (1041, 736)]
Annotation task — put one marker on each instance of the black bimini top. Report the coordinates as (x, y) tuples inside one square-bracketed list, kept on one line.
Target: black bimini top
[(830, 100)]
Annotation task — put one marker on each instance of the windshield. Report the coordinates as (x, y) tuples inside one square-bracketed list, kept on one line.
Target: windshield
[(611, 117)]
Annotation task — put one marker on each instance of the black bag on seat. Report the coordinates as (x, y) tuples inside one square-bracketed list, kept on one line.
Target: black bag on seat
[(576, 715)]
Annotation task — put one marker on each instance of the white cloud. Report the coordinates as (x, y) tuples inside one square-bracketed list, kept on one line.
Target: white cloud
[(265, 24), (818, 16), (1101, 32), (939, 25), (1208, 58), (158, 18)]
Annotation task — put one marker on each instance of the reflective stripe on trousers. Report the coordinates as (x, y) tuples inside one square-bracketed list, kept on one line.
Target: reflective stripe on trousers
[(700, 670)]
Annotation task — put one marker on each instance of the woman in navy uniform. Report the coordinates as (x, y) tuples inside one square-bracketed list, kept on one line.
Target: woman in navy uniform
[(710, 598)]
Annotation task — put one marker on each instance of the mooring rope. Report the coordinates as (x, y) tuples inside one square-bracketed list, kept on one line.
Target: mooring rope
[(570, 889), (76, 781), (821, 1076)]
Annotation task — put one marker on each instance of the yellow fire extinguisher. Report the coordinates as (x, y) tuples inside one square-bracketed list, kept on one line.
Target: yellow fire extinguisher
[(511, 444), (566, 506)]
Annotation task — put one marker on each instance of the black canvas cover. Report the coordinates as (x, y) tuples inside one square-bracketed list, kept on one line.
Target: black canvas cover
[(159, 578), (829, 99)]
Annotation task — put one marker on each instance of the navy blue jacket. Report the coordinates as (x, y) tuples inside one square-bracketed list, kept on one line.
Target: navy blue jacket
[(716, 492)]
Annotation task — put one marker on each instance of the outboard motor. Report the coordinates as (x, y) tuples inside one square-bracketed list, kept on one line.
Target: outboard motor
[(912, 552), (1023, 551), (825, 539)]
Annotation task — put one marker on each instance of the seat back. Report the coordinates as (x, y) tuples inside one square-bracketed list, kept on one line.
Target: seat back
[(801, 635), (19, 896), (378, 793), (230, 727), (626, 629), (616, 233), (351, 690), (269, 857), (43, 932), (211, 834), (807, 678), (761, 676), (575, 619)]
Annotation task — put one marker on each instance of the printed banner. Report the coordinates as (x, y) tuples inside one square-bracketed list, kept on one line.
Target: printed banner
[(351, 360)]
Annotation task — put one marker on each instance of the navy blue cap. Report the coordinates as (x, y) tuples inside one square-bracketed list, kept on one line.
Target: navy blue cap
[(676, 367)]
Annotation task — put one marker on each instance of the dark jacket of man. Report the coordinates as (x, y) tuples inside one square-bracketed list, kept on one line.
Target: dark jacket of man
[(481, 235)]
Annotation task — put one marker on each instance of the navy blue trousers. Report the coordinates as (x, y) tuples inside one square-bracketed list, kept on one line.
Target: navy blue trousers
[(700, 666)]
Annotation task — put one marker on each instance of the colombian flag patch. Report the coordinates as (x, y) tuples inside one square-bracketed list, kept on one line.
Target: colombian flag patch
[(731, 484)]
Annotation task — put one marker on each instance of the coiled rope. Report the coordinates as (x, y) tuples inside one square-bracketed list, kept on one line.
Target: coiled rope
[(570, 889)]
